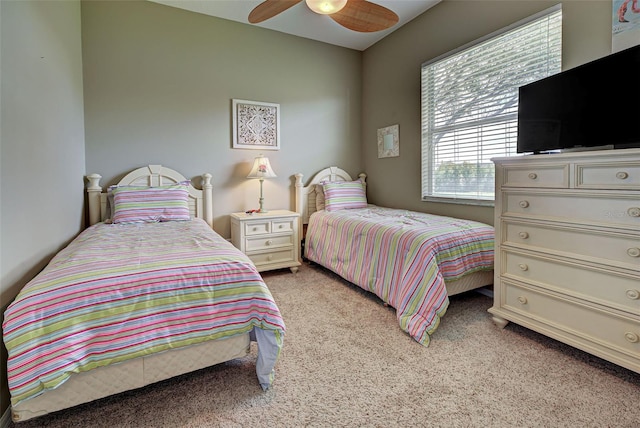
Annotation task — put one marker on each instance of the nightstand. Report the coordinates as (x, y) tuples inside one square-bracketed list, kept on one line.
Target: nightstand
[(271, 240)]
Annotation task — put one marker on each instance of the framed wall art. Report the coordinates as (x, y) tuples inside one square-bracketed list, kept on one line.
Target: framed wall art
[(256, 125), (625, 24), (389, 142)]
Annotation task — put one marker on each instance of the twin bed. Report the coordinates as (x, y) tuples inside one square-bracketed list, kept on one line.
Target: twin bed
[(149, 291), (412, 261)]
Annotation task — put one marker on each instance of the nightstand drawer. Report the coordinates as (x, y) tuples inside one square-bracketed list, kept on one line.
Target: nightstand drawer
[(265, 243), (281, 226), (257, 227), (272, 257)]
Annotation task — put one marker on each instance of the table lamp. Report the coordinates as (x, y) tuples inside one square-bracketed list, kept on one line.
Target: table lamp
[(261, 169)]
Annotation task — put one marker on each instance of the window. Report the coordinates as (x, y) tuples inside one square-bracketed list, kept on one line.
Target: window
[(470, 105)]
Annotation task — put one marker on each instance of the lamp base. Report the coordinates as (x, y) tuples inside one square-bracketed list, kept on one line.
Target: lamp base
[(261, 210)]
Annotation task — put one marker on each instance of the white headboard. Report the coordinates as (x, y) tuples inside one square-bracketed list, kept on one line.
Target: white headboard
[(200, 201), (306, 196)]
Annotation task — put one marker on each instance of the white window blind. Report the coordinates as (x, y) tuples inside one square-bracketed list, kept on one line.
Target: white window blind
[(470, 105)]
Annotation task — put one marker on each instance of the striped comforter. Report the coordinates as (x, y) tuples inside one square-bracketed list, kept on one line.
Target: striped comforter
[(118, 292), (403, 257)]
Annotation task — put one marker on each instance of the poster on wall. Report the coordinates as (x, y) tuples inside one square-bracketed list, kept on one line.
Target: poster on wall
[(625, 24)]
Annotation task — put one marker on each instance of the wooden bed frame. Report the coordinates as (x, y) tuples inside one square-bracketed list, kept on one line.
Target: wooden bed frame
[(105, 381), (305, 203)]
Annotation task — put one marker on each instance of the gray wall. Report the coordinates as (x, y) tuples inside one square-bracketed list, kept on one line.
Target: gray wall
[(158, 84), (391, 83), (42, 136)]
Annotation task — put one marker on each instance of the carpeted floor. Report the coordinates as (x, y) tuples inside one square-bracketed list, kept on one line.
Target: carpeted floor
[(346, 363)]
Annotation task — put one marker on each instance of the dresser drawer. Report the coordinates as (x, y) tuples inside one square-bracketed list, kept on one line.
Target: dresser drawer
[(272, 257), (268, 242), (601, 286), (617, 249), (615, 332), (605, 210), (618, 175), (547, 176)]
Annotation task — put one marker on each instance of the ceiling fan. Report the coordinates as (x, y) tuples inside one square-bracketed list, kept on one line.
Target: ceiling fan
[(357, 15)]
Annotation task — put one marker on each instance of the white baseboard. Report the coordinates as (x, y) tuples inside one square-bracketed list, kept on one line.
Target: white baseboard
[(5, 420)]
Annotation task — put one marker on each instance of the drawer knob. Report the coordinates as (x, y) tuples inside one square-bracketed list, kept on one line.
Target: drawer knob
[(254, 228), (634, 211), (631, 337), (523, 235), (634, 252), (523, 267), (522, 300), (281, 226), (269, 242), (533, 175), (524, 204), (633, 294), (269, 257), (622, 175)]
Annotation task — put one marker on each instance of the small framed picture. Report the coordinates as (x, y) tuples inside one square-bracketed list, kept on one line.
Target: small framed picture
[(256, 125), (389, 142)]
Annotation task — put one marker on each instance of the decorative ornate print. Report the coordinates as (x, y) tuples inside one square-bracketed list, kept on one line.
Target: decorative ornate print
[(256, 125)]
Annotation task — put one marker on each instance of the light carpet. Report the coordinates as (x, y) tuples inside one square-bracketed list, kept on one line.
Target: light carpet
[(346, 363)]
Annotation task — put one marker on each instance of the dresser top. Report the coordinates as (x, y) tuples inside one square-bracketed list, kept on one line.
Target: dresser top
[(613, 154)]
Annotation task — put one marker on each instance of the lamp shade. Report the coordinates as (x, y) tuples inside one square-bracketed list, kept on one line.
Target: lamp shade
[(261, 168), (326, 7)]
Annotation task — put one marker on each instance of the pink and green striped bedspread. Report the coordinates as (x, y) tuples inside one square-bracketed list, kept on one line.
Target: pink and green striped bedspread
[(404, 257), (119, 292)]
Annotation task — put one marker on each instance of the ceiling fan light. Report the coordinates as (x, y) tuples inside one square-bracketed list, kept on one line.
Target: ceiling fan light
[(326, 7)]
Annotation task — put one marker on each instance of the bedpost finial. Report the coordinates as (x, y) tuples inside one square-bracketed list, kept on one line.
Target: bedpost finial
[(94, 182), (206, 180)]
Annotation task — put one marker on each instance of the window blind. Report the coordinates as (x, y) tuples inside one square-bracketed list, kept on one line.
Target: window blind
[(470, 105)]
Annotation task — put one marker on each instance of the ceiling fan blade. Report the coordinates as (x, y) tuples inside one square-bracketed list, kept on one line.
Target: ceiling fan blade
[(365, 17), (270, 8)]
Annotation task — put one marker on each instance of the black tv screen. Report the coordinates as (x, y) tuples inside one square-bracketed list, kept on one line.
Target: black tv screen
[(586, 106)]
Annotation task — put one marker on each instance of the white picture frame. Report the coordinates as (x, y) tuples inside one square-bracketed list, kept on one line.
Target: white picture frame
[(256, 125), (389, 141)]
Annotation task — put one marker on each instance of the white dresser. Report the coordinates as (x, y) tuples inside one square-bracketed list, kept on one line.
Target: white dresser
[(568, 249), (271, 240)]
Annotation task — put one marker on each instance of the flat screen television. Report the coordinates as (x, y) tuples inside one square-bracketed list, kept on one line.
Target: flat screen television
[(594, 105)]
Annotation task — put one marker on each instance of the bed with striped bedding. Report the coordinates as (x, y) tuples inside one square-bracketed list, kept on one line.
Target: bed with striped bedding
[(404, 257), (121, 291)]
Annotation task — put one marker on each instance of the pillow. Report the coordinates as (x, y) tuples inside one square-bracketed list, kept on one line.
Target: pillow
[(135, 204), (344, 195), (320, 202)]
